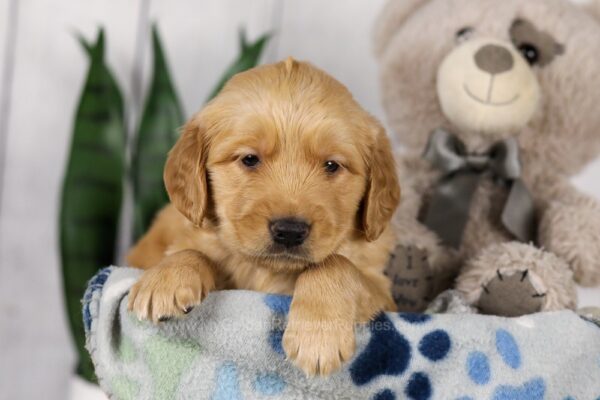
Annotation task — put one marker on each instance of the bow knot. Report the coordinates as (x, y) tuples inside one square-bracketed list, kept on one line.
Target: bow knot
[(448, 210)]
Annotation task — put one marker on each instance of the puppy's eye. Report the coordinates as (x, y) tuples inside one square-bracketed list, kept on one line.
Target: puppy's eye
[(251, 160), (464, 34), (331, 167), (530, 52)]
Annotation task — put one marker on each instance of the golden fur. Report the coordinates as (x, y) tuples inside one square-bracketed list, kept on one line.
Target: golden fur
[(215, 234)]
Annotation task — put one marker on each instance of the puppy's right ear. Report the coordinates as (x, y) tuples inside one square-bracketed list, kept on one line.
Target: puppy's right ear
[(185, 173)]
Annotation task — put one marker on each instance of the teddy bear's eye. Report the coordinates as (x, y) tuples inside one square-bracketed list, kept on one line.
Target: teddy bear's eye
[(530, 52), (464, 33)]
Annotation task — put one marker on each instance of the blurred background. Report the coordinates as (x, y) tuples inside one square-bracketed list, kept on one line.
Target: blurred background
[(42, 71)]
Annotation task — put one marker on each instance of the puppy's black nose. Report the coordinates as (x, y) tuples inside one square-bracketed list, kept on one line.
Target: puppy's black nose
[(289, 232)]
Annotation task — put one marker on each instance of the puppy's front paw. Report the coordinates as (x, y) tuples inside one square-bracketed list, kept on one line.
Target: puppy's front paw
[(167, 291), (318, 346)]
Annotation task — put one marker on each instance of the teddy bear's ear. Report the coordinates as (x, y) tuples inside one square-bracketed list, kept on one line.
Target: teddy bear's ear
[(391, 17)]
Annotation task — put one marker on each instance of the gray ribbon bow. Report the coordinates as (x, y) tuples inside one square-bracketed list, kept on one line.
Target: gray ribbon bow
[(448, 210)]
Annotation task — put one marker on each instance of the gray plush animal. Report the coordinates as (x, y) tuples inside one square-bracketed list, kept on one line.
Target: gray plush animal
[(496, 105)]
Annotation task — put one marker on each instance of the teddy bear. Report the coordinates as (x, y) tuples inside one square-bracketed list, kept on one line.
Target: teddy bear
[(493, 106)]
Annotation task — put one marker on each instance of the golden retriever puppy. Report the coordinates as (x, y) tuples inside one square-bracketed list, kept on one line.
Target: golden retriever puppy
[(281, 184)]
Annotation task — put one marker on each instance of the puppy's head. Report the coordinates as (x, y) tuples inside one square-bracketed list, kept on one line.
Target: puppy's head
[(286, 164)]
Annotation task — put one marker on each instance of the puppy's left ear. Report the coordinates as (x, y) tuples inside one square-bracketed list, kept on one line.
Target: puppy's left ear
[(383, 191)]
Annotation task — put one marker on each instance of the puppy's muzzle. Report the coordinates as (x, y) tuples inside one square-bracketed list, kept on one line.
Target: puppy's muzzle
[(289, 232)]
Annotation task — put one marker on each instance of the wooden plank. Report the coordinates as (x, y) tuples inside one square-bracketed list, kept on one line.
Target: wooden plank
[(201, 39), (5, 10), (49, 72), (336, 35), (9, 14)]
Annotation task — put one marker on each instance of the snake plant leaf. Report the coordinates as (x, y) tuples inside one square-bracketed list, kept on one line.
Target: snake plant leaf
[(92, 190), (249, 56), (158, 131)]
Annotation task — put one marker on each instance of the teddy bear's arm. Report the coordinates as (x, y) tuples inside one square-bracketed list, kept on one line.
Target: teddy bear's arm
[(570, 228)]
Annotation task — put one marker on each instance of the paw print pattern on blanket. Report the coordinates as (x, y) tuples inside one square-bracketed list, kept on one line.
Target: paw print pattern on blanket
[(389, 353), (480, 373), (201, 356), (280, 305), (95, 284), (265, 383), (227, 383), (377, 358)]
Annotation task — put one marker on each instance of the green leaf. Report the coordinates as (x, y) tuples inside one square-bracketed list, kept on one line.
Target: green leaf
[(158, 131), (92, 190), (249, 56)]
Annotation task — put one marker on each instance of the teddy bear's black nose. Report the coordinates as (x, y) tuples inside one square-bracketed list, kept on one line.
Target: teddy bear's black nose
[(494, 59), (289, 232)]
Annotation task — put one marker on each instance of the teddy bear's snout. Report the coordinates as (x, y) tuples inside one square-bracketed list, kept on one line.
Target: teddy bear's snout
[(494, 59), (484, 85)]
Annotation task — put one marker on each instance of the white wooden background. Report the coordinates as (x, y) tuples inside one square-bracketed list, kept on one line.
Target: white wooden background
[(42, 68)]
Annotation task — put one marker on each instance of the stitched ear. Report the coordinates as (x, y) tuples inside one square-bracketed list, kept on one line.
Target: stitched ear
[(185, 173), (391, 17), (383, 192)]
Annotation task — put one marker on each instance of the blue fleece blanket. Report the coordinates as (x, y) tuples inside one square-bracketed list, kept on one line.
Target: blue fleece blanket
[(229, 348)]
